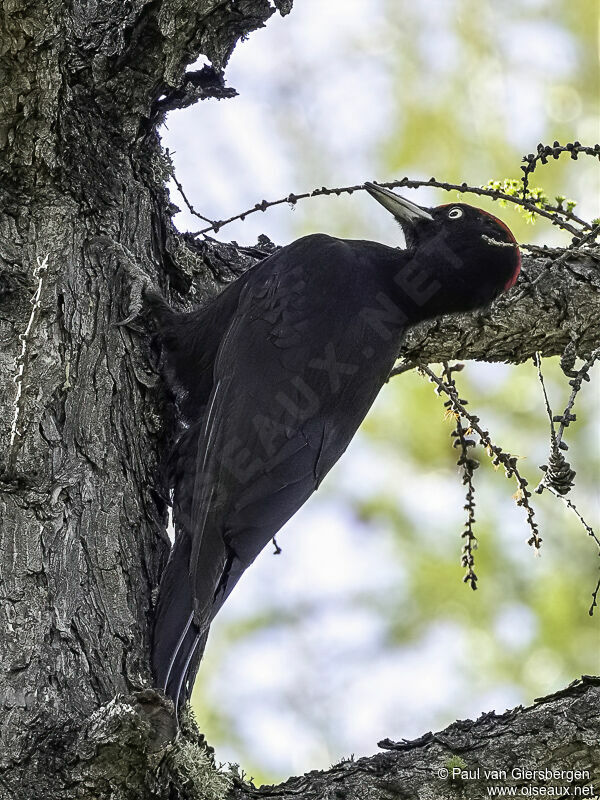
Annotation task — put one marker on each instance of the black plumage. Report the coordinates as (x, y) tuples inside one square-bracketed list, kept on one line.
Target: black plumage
[(274, 377)]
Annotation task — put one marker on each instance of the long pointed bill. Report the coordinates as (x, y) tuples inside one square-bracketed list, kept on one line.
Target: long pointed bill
[(404, 211)]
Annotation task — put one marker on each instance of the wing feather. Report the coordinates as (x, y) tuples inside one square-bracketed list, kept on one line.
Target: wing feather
[(265, 444), (288, 390)]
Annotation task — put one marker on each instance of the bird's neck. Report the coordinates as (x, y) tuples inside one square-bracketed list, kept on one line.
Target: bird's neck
[(414, 286)]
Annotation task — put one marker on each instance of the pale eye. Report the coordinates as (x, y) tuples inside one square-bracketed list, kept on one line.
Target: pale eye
[(455, 213)]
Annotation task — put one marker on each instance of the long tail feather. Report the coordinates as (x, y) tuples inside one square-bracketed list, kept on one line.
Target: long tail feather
[(176, 651), (185, 683), (178, 643)]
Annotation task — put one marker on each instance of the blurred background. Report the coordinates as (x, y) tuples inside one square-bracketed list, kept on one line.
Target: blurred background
[(362, 628)]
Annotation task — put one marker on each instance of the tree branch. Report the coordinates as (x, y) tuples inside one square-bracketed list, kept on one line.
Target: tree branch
[(557, 733), (556, 301)]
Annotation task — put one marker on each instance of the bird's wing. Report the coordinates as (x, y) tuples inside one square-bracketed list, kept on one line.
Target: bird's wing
[(296, 370), (282, 411)]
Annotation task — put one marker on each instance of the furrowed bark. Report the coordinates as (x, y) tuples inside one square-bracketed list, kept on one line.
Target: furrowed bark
[(82, 520)]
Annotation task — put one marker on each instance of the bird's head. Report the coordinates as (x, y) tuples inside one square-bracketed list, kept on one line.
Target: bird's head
[(471, 254)]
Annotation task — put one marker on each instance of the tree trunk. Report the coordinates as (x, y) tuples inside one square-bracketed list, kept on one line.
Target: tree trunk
[(82, 193), (85, 220)]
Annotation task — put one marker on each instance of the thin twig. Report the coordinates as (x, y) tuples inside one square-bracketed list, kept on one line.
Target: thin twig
[(594, 599), (498, 456), (468, 465), (576, 511), (292, 199), (191, 208), (558, 477), (594, 231), (575, 383), (547, 210), (558, 473), (538, 363), (546, 151)]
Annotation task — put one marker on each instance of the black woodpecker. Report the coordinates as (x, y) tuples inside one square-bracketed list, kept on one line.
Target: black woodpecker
[(272, 380)]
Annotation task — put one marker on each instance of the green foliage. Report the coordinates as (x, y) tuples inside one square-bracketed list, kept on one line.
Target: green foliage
[(552, 591), (537, 196), (455, 762)]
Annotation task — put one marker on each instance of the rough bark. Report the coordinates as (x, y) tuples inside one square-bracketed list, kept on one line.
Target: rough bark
[(82, 190), (557, 733), (556, 302), (83, 88)]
